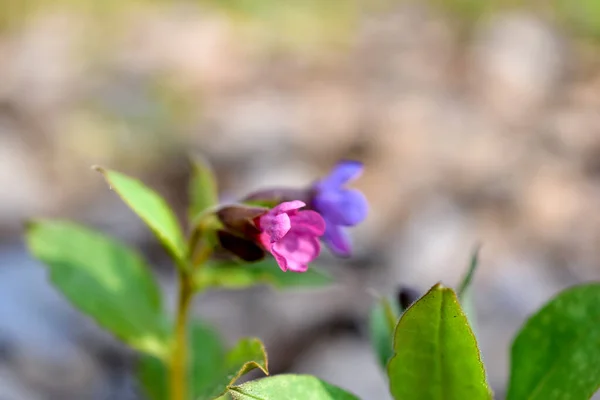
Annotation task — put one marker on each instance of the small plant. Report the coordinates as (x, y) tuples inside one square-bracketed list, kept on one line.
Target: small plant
[(271, 236)]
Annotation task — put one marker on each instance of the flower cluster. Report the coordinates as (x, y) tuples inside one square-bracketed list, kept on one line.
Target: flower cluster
[(290, 225)]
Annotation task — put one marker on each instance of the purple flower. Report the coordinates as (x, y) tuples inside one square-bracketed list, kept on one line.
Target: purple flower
[(340, 207)]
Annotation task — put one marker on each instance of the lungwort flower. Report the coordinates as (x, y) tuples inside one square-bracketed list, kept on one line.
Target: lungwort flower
[(339, 206), (291, 235)]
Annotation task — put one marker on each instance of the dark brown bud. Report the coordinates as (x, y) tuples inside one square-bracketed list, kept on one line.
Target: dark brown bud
[(245, 249), (239, 219)]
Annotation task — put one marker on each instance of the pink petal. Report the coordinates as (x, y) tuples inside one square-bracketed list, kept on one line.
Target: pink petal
[(281, 260), (287, 206), (308, 221), (297, 248), (297, 267), (275, 225)]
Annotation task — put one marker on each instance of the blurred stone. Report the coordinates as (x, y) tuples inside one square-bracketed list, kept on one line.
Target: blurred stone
[(330, 117), (24, 191), (260, 123), (405, 48), (518, 61), (348, 363), (13, 389), (434, 246), (36, 325), (49, 41), (199, 48)]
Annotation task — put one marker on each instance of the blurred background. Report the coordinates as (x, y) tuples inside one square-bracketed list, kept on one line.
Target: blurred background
[(478, 122)]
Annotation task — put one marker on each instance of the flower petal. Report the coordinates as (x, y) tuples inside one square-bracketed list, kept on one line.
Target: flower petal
[(342, 207), (343, 172), (308, 221), (281, 260), (337, 240), (287, 206), (297, 267), (275, 225), (297, 249), (353, 206)]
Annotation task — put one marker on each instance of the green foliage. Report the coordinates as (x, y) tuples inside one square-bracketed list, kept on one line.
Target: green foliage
[(152, 209), (206, 352), (556, 355), (289, 387), (247, 355), (436, 354), (468, 278), (202, 189), (211, 369), (382, 322), (237, 275), (465, 294), (104, 279)]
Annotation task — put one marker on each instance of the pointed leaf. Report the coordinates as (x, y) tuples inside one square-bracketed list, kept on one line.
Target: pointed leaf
[(203, 187), (436, 354), (468, 278), (382, 322), (151, 208), (104, 279), (465, 294), (289, 387), (247, 355), (205, 357), (556, 355), (235, 275)]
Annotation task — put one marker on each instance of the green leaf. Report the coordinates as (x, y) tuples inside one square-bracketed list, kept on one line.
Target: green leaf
[(468, 278), (235, 275), (436, 354), (104, 279), (382, 321), (289, 387), (465, 294), (247, 355), (152, 375), (203, 191), (151, 208), (556, 355), (206, 356)]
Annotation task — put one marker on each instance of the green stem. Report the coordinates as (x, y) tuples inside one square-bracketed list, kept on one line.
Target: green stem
[(178, 364)]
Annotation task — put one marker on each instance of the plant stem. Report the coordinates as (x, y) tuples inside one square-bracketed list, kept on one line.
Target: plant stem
[(178, 365)]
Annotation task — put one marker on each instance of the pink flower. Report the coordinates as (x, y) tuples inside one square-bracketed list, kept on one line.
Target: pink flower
[(291, 235)]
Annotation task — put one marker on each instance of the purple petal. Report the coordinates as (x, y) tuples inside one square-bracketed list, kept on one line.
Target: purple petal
[(309, 221), (337, 240), (354, 207), (343, 172), (342, 207)]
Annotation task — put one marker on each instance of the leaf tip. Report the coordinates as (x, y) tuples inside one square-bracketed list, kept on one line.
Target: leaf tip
[(99, 168)]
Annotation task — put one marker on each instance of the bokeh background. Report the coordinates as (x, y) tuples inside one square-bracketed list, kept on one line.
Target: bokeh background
[(478, 122)]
